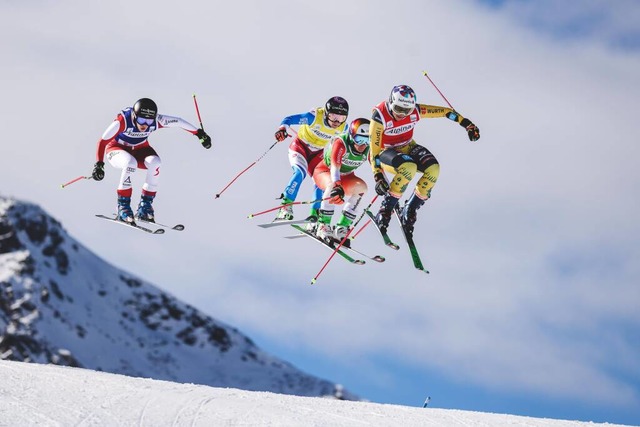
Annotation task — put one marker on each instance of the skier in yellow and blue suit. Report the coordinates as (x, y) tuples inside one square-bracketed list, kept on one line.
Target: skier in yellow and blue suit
[(317, 128), (394, 150)]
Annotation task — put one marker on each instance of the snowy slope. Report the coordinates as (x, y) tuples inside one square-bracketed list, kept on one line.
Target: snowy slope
[(51, 395), (62, 304)]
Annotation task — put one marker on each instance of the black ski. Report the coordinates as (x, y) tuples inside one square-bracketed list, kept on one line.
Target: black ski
[(136, 226), (385, 236), (344, 255)]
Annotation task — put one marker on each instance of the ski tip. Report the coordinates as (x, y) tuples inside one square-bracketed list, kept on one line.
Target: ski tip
[(178, 227), (379, 258), (159, 231), (359, 262)]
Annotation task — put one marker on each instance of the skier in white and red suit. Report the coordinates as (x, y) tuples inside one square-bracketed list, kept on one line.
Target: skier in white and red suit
[(127, 147)]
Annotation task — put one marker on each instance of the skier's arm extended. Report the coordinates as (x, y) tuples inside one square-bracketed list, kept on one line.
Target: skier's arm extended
[(435, 111), (299, 119), (173, 122)]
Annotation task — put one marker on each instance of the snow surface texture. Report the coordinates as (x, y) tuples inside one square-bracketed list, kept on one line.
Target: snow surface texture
[(48, 395), (62, 304)]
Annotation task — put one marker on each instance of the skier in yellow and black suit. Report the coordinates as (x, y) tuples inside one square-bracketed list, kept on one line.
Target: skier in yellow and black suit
[(394, 150)]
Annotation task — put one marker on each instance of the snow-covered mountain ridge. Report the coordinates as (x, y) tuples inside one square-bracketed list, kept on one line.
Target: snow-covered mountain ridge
[(62, 304)]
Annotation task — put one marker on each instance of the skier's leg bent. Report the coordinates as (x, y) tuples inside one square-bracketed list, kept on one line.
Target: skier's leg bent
[(121, 159), (430, 168), (354, 190), (427, 181), (404, 174), (152, 164), (315, 161), (322, 180)]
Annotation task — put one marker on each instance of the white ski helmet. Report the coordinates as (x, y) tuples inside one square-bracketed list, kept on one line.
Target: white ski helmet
[(402, 101)]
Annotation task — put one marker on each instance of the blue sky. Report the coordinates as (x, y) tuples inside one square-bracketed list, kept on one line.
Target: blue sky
[(531, 233)]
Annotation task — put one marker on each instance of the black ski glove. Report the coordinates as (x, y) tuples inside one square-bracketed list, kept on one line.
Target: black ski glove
[(382, 186), (472, 130), (337, 194), (281, 134), (205, 139), (98, 171)]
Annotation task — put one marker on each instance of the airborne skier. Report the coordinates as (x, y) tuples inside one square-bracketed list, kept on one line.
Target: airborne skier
[(317, 128), (393, 149), (335, 175), (126, 146)]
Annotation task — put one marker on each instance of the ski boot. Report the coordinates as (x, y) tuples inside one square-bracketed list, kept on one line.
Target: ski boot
[(324, 232), (312, 220), (340, 232), (409, 215), (285, 213), (343, 227), (145, 208), (384, 214), (323, 226), (125, 214)]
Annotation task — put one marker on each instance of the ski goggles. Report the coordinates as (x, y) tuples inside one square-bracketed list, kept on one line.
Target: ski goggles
[(143, 121), (336, 118), (401, 111), (361, 139)]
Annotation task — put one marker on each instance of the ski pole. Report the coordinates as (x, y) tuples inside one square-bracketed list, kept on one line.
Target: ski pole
[(361, 228), (434, 85), (335, 251), (195, 102), (364, 211), (245, 169), (308, 202), (75, 180), (249, 167)]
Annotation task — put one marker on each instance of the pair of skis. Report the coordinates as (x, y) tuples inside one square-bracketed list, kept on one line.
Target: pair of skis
[(147, 228), (343, 251), (415, 256)]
